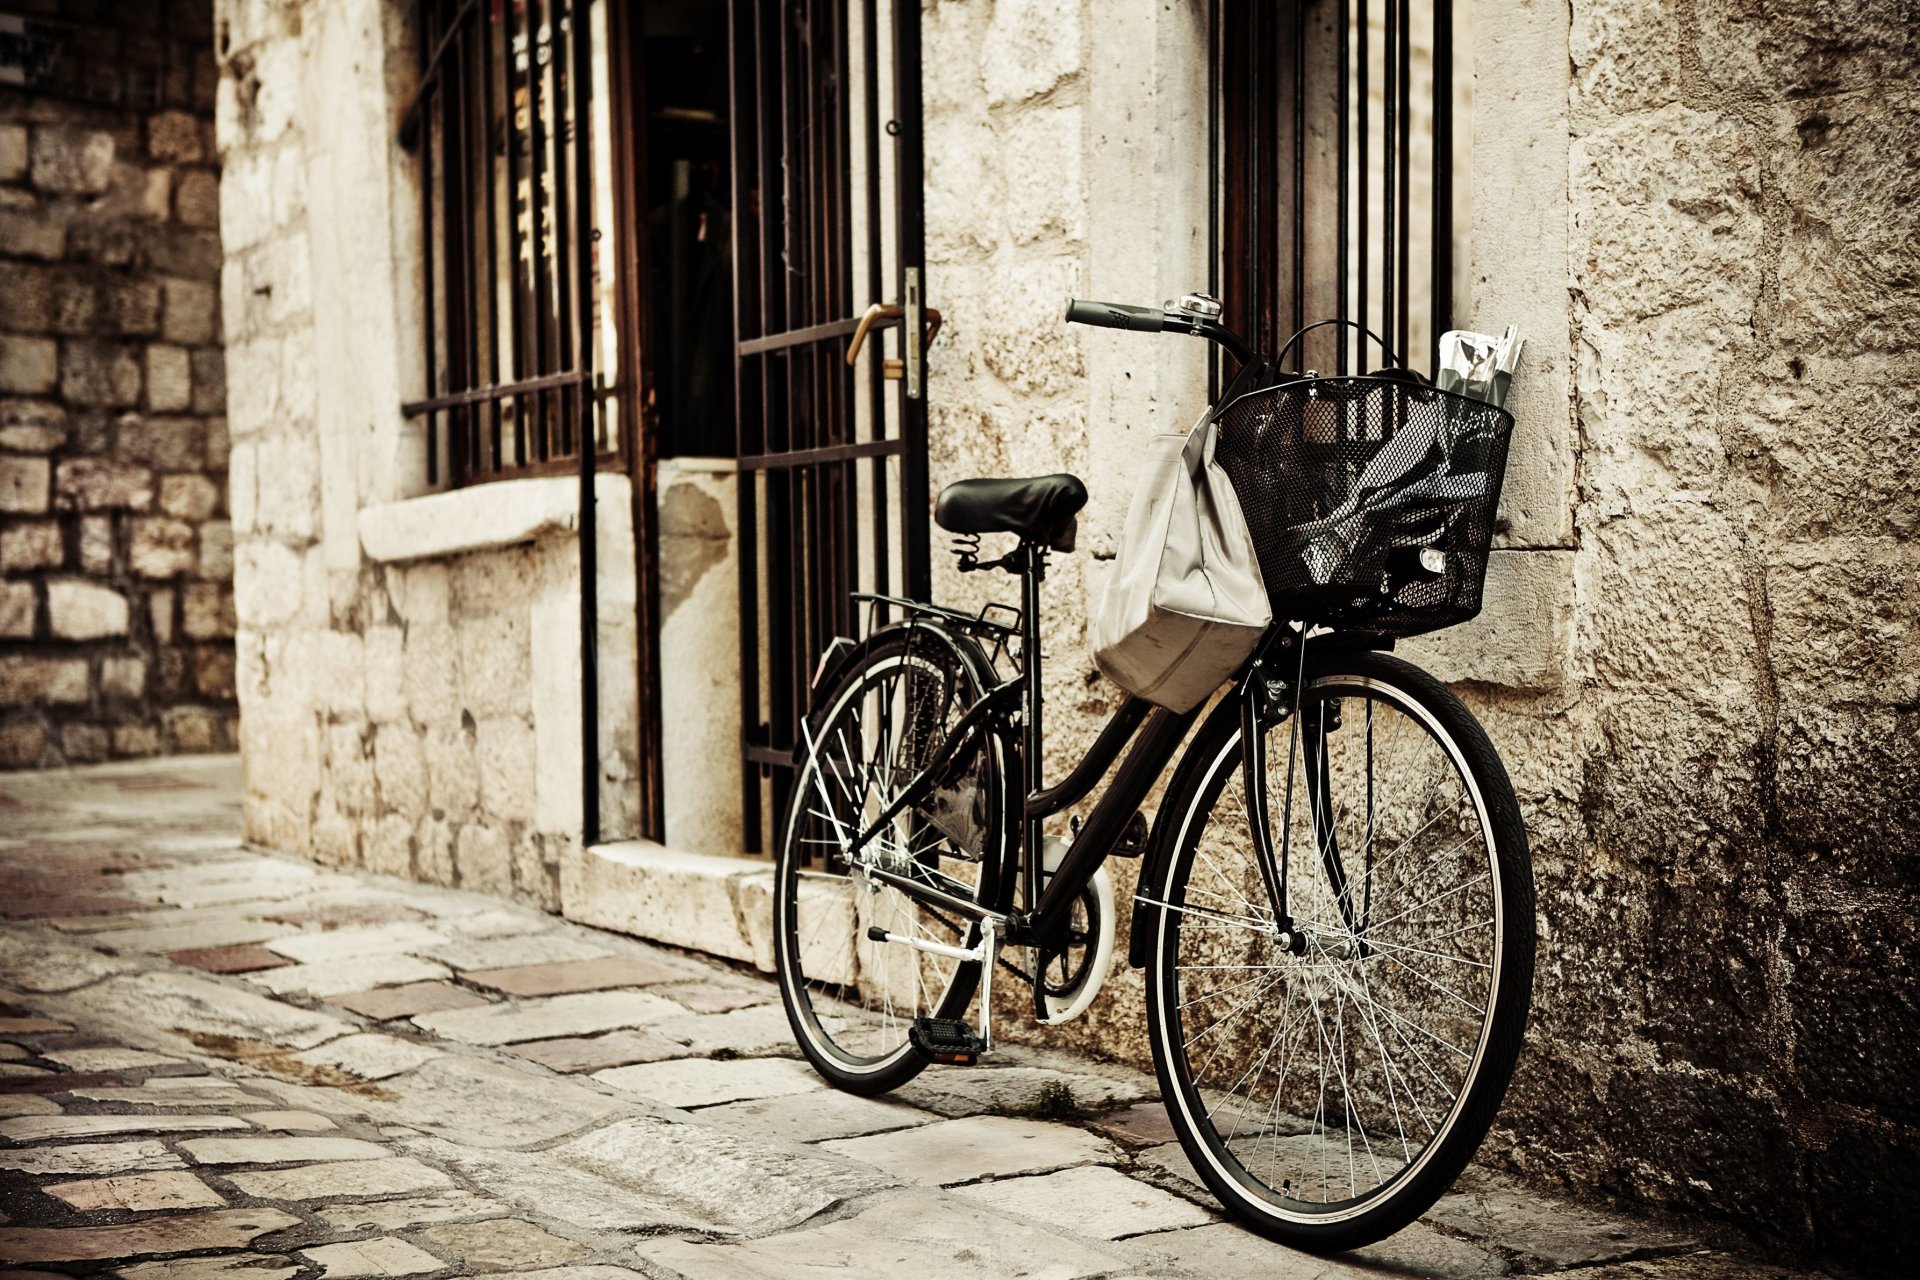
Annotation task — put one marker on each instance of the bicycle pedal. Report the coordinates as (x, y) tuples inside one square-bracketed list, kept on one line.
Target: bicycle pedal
[(947, 1040)]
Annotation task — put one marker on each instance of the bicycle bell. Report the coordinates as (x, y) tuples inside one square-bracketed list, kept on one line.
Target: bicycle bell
[(1204, 305)]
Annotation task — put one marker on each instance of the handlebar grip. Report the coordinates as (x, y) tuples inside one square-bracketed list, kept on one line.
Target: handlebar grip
[(1116, 315)]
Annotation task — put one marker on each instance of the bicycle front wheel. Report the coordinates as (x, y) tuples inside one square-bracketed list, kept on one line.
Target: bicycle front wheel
[(851, 1000), (1330, 1081)]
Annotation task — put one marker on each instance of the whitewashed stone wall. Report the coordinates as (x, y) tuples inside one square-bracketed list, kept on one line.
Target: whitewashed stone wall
[(409, 692)]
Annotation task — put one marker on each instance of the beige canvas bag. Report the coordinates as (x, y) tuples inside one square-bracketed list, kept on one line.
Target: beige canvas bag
[(1185, 604)]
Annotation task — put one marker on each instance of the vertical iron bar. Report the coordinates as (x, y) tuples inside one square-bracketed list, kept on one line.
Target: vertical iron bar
[(909, 175), (1299, 169), (434, 381), (588, 404), (1214, 175), (876, 381), (1390, 139), (491, 276), (457, 220), (1364, 232), (518, 296), (1342, 216), (536, 208), (566, 173), (1443, 156), (1405, 95)]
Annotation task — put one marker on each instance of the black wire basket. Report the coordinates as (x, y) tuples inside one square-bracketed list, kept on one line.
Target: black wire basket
[(1371, 499)]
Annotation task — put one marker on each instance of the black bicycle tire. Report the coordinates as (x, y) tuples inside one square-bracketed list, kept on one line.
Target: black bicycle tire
[(1487, 1087), (883, 646)]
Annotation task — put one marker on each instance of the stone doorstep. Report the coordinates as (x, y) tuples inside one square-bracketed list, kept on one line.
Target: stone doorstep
[(721, 906)]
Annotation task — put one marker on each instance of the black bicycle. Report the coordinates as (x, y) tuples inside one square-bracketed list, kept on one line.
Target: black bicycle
[(1335, 908)]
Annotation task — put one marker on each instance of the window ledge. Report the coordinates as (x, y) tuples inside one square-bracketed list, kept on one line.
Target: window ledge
[(504, 513)]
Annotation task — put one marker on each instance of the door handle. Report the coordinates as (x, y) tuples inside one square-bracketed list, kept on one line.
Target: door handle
[(887, 315)]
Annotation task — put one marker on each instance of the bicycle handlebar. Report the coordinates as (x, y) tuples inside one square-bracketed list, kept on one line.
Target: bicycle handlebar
[(1116, 315), (1119, 315)]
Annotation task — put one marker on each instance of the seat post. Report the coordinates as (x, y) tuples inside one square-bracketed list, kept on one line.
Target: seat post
[(1033, 570)]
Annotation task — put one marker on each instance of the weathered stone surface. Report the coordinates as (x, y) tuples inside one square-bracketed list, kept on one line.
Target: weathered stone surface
[(371, 1057), (95, 1157), (217, 1229), (977, 1147), (968, 1091), (482, 954), (96, 484), (23, 484), (696, 1082), (289, 1121), (344, 944), (42, 963), (140, 1192), (760, 1030), (815, 1116), (489, 1104), (388, 1175), (278, 1150), (331, 977), (919, 1233), (597, 1053), (232, 1266), (398, 1215), (382, 1256), (80, 610), (245, 958), (160, 547), (71, 160), (43, 1128), (32, 544), (1103, 1203), (571, 1015), (385, 1003), (19, 607), (571, 976), (510, 1244), (167, 1006)]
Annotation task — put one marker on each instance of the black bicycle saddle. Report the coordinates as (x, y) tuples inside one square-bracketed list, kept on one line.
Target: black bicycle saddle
[(1040, 509)]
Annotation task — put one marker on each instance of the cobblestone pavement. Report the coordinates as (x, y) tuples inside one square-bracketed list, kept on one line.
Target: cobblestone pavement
[(218, 1064)]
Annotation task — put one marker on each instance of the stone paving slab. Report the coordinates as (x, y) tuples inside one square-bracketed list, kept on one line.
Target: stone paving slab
[(1096, 1201), (43, 1128), (816, 1116), (139, 1192), (566, 977), (355, 973), (395, 1215), (555, 1016), (215, 1229), (370, 1056), (516, 952), (244, 958), (382, 1176), (384, 1004), (954, 1151), (278, 1150), (917, 1234), (92, 1157), (383, 1256), (232, 1266), (509, 1244), (597, 1053), (696, 1082)]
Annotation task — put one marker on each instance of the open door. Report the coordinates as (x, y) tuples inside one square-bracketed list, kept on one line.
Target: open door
[(831, 332)]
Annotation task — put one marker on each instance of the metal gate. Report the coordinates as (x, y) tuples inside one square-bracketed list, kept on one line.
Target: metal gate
[(828, 261), (1334, 144)]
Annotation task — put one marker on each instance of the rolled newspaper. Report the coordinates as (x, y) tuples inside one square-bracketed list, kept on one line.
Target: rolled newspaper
[(1479, 365)]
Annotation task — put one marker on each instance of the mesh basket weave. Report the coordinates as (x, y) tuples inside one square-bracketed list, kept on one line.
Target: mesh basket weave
[(1370, 499)]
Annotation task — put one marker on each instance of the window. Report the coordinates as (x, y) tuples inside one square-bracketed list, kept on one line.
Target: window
[(1337, 129), (521, 301)]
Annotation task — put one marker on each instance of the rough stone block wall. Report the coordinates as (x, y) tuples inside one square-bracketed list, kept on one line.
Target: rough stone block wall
[(417, 717), (116, 555)]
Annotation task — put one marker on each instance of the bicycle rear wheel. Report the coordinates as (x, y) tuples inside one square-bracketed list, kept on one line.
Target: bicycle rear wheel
[(850, 999), (1330, 1086)]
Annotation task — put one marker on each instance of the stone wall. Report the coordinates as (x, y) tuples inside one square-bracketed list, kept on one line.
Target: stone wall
[(1699, 653), (116, 614), (408, 662)]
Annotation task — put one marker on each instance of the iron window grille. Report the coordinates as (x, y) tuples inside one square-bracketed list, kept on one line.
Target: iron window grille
[(512, 131), (1335, 141)]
